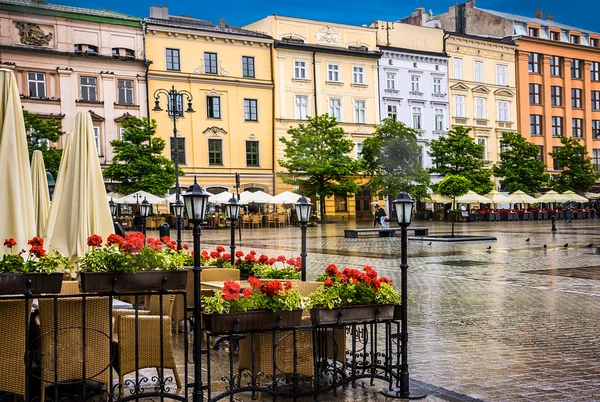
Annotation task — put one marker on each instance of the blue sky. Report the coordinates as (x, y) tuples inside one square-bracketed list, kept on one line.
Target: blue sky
[(582, 14)]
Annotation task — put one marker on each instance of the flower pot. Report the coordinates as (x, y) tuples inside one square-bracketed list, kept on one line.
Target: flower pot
[(120, 282), (36, 283), (352, 314), (397, 312), (251, 320)]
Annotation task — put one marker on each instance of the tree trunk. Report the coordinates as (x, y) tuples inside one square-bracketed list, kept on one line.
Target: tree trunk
[(322, 207), (453, 213)]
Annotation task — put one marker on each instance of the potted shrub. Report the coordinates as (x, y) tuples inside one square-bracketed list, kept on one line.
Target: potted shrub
[(267, 267), (31, 271), (130, 264), (261, 305), (352, 296)]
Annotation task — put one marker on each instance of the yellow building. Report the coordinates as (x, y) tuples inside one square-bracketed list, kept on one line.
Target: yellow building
[(322, 67), (483, 92), (228, 72)]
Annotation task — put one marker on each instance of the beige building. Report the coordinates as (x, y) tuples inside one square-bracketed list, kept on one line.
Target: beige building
[(322, 67), (69, 59)]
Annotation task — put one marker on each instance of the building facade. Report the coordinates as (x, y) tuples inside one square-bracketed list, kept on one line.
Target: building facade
[(413, 80), (319, 68), (69, 59), (227, 70)]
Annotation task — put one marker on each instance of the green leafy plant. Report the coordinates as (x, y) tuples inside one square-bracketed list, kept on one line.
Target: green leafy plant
[(42, 133), (37, 260)]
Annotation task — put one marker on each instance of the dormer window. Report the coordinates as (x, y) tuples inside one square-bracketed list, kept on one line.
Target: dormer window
[(129, 53), (575, 39), (594, 42), (555, 35), (84, 48), (534, 32), (115, 51), (120, 52)]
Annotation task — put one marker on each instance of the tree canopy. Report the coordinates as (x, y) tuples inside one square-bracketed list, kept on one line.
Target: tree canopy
[(138, 163), (456, 153), (520, 167), (317, 159), (577, 169), (41, 134), (391, 158)]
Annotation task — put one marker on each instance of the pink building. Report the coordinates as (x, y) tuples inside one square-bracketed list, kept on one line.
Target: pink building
[(70, 59)]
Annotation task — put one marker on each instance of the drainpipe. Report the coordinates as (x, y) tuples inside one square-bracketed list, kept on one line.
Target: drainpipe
[(315, 82), (274, 119), (147, 64), (446, 36)]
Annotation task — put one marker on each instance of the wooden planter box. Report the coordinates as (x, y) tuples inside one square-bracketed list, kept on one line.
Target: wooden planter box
[(19, 284), (251, 320), (352, 314), (103, 282)]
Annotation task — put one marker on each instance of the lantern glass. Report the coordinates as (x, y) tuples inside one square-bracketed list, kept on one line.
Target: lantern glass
[(178, 208), (113, 207), (196, 200), (303, 209), (403, 205), (232, 209), (145, 208)]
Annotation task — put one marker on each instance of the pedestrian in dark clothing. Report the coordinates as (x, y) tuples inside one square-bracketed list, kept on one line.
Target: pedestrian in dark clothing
[(376, 221), (380, 214), (138, 223)]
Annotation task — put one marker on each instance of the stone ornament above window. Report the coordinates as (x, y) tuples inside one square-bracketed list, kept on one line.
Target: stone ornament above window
[(32, 34), (214, 131), (328, 36), (222, 71)]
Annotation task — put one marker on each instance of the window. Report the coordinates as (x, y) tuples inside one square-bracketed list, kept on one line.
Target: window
[(178, 106), (88, 89), (393, 112), (596, 159), (596, 129), (359, 148), (97, 139), (115, 51), (438, 116), (557, 126), (417, 118), (540, 156), (534, 62), (301, 107), (458, 69), (595, 100), (594, 42), (555, 164), (341, 203), (210, 63), (556, 66), (478, 68), (248, 66), (459, 106), (575, 39), (556, 95), (252, 153), (300, 69), (358, 75), (535, 124), (576, 68), (437, 86), (535, 32), (173, 59), (554, 35), (576, 98), (82, 47), (360, 111), (595, 71), (37, 85), (250, 110), (480, 108), (390, 81), (125, 88), (215, 152), (535, 94), (213, 107), (333, 72), (129, 53), (178, 151), (121, 132), (577, 125), (415, 83), (503, 111), (501, 74), (481, 142), (335, 108)]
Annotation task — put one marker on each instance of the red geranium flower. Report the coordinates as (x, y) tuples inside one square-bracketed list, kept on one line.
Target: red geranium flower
[(288, 285), (185, 246), (250, 258), (239, 253), (10, 243), (205, 254), (227, 257), (247, 292), (331, 270), (272, 261), (114, 239), (215, 254), (38, 251), (328, 282), (36, 241), (281, 258), (254, 282), (263, 259), (165, 239), (172, 245), (384, 279), (94, 241), (220, 249), (231, 290), (291, 261), (271, 288), (252, 252)]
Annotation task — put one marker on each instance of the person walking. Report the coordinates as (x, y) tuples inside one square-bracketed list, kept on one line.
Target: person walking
[(380, 213), (376, 220)]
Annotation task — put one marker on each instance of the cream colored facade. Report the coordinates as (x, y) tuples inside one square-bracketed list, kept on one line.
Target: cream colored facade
[(483, 92), (228, 72), (322, 67)]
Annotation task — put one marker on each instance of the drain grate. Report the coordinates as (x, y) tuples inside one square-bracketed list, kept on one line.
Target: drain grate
[(592, 272)]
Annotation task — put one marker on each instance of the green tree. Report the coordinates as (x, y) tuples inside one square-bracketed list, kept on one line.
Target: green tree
[(316, 156), (391, 160), (454, 186), (577, 169), (43, 132), (138, 163), (520, 167), (457, 153)]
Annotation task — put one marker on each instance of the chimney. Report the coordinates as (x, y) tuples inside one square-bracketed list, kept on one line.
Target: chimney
[(550, 17), (222, 22), (538, 13), (159, 12)]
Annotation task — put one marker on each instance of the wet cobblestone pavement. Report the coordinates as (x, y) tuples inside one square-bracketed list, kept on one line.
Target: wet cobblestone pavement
[(518, 322)]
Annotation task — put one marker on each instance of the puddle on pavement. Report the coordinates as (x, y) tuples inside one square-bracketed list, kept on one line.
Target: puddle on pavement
[(463, 263), (592, 272)]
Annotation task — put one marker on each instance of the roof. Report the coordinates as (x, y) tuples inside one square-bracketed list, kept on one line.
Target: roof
[(507, 40), (539, 21), (309, 47), (412, 51), (201, 25)]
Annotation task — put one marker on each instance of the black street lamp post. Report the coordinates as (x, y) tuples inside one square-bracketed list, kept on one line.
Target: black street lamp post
[(175, 111), (178, 208), (196, 200), (145, 208), (303, 210), (113, 208), (232, 210)]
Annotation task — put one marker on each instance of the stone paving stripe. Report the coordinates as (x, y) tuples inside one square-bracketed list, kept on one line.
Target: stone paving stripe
[(443, 393)]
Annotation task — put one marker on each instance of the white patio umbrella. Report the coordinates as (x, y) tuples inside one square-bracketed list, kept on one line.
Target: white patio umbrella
[(59, 185), (572, 196), (115, 196), (80, 209), (17, 211), (265, 196), (519, 197), (472, 197), (497, 197), (592, 196), (287, 197), (139, 196), (247, 197), (438, 199), (552, 196), (41, 195), (220, 198), (171, 198)]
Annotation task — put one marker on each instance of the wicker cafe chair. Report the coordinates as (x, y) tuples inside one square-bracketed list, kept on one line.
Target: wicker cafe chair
[(69, 348), (70, 288), (12, 346), (149, 347)]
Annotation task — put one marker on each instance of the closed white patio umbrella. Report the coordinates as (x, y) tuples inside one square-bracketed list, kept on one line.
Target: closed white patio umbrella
[(59, 186), (41, 195)]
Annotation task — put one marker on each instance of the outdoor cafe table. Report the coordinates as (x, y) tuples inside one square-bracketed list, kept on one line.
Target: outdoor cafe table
[(116, 305)]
